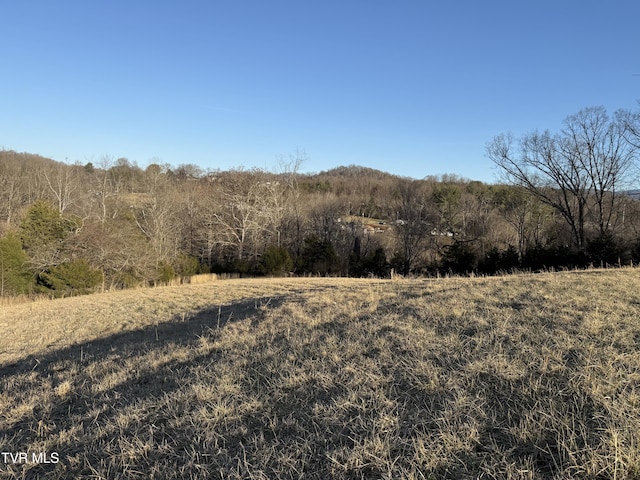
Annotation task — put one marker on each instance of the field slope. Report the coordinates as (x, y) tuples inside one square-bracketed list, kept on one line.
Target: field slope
[(532, 376)]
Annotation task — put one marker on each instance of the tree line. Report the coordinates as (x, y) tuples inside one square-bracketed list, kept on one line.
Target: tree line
[(564, 200)]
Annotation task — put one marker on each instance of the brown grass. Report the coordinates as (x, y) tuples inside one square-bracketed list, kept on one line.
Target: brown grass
[(534, 376)]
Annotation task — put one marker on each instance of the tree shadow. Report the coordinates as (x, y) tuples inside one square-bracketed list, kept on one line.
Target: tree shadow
[(95, 411), (291, 427), (176, 331)]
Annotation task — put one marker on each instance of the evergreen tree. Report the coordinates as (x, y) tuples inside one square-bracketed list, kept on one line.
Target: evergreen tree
[(43, 225), (76, 277), (15, 277)]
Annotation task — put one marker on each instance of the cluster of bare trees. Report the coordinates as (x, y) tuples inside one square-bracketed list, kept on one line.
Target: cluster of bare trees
[(564, 201), (578, 172)]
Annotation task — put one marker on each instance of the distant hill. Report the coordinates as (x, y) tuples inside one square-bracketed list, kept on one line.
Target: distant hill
[(25, 159), (635, 193), (352, 171)]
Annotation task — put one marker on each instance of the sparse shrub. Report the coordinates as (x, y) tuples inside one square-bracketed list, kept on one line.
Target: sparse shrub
[(186, 265), (165, 272), (126, 279)]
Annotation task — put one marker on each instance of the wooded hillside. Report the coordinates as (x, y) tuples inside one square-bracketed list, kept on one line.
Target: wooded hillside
[(75, 228)]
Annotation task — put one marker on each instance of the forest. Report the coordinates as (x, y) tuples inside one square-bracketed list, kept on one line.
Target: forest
[(564, 200)]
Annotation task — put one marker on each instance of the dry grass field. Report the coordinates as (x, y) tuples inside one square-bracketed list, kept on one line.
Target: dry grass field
[(529, 376)]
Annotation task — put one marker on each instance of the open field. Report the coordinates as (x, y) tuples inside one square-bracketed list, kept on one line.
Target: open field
[(534, 376)]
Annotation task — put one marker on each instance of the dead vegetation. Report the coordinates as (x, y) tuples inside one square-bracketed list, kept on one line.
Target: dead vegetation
[(531, 377)]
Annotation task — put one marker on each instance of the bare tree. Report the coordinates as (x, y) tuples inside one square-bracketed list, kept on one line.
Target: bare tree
[(156, 217), (631, 122), (289, 170), (600, 149), (412, 225), (576, 171), (61, 182), (238, 218), (105, 187), (12, 186)]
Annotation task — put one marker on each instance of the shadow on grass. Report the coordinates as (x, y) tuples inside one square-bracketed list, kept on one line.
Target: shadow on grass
[(92, 415), (366, 415), (177, 331)]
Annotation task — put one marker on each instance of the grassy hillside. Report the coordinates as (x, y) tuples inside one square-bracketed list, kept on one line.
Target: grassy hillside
[(516, 377)]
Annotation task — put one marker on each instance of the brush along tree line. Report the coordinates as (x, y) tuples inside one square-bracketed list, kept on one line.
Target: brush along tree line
[(563, 203)]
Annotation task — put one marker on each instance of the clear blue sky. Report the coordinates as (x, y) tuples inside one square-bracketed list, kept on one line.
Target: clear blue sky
[(411, 87)]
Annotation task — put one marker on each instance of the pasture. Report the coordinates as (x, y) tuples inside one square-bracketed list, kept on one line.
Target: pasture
[(524, 376)]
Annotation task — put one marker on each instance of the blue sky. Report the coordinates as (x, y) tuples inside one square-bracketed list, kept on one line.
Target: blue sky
[(412, 87)]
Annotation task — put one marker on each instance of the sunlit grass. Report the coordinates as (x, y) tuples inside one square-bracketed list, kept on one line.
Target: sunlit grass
[(529, 376)]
